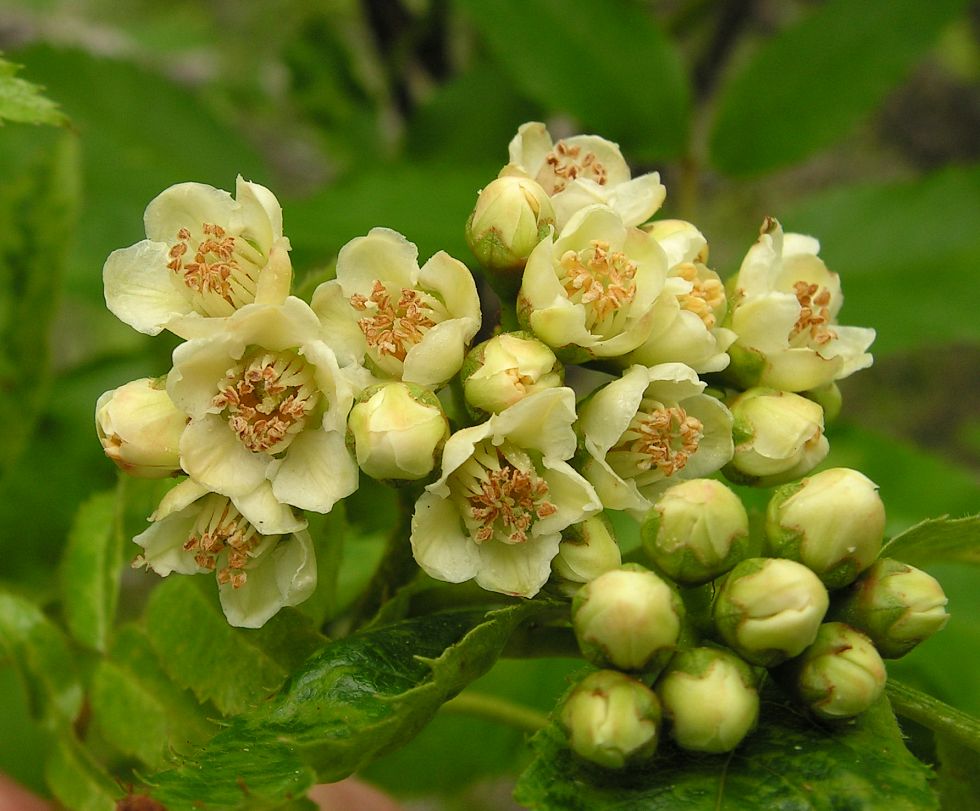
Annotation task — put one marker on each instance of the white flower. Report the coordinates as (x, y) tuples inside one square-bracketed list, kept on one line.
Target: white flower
[(205, 256), (784, 312), (581, 171), (258, 549), (266, 400), (505, 495), (506, 368), (404, 322), (591, 292), (651, 428)]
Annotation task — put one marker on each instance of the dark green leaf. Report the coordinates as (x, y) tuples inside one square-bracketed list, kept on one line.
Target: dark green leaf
[(77, 780), (607, 64), (789, 763), (938, 540), (22, 101), (809, 85), (330, 535)]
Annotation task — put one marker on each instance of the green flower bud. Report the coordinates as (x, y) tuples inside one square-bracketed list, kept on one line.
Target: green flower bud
[(512, 215), (829, 398), (505, 369), (587, 550), (778, 437), (769, 609), (140, 428), (896, 605), (396, 431), (696, 530), (612, 720), (710, 697), (840, 675), (832, 522), (627, 618)]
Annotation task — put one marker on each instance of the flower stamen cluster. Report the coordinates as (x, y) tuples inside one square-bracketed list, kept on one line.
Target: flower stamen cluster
[(814, 314), (603, 280), (658, 436), (566, 162), (704, 297), (221, 529), (393, 329)]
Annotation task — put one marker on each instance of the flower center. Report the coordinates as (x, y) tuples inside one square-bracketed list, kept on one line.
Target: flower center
[(705, 297), (501, 494), (222, 532), (392, 327), (267, 399), (223, 272), (659, 437), (814, 319), (600, 279), (565, 163)]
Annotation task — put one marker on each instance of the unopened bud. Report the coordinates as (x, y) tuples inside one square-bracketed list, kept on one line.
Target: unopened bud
[(627, 618), (769, 609), (829, 398), (710, 697), (140, 427), (778, 437), (896, 605), (832, 522), (507, 368), (840, 675), (396, 431), (696, 530), (587, 550), (612, 720)]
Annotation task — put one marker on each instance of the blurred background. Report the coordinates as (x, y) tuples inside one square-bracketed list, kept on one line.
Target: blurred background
[(857, 121)]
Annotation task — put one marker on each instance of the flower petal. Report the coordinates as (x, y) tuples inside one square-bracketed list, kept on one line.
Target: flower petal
[(316, 472), (637, 200), (139, 290), (517, 569), (439, 355), (541, 421), (339, 322), (186, 205), (382, 254), (163, 544), (212, 454), (267, 514), (439, 544)]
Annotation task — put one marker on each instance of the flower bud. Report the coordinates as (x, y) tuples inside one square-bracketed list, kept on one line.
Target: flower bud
[(512, 215), (710, 697), (696, 530), (832, 522), (896, 605), (769, 609), (627, 618), (140, 427), (829, 398), (505, 369), (778, 437), (840, 675), (587, 550), (396, 431), (612, 720)]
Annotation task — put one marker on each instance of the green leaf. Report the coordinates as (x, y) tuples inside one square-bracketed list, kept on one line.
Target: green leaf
[(958, 775), (42, 656), (330, 534), (938, 540), (789, 763), (77, 780), (809, 85), (235, 668), (356, 699), (23, 101), (607, 64), (90, 571)]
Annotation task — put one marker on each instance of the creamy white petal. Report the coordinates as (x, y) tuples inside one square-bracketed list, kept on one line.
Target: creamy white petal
[(529, 148), (259, 215), (637, 200), (382, 254), (186, 205), (570, 492), (139, 289), (452, 281), (268, 514), (439, 544), (213, 455), (542, 421), (276, 277), (163, 544), (607, 414), (179, 497), (316, 472), (799, 370), (339, 322), (199, 366), (458, 448), (438, 356), (614, 492), (517, 569)]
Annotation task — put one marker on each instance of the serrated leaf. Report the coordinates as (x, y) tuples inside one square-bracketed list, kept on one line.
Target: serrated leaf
[(789, 763), (42, 656), (23, 101), (235, 668), (77, 780), (809, 85), (607, 64), (937, 540), (356, 699)]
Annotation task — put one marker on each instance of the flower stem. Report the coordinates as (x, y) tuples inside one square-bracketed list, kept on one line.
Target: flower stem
[(494, 708), (934, 714)]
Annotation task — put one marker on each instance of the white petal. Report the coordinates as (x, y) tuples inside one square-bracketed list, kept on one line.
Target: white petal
[(276, 277), (212, 454), (179, 497), (637, 200), (765, 321), (561, 324), (163, 544), (267, 514), (259, 217), (614, 493), (452, 281), (530, 147), (383, 255), (570, 492), (541, 421), (186, 205), (716, 447), (199, 366), (607, 153), (316, 472), (139, 290), (458, 448), (339, 322), (438, 356), (799, 370), (517, 569), (439, 544), (334, 385), (607, 414)]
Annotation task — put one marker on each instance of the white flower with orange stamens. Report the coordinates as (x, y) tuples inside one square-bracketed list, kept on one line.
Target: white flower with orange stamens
[(497, 512), (257, 547), (267, 400), (581, 171), (404, 322), (205, 256), (784, 311), (591, 293), (650, 429)]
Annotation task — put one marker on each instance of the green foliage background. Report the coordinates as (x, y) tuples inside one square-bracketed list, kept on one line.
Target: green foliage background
[(854, 120)]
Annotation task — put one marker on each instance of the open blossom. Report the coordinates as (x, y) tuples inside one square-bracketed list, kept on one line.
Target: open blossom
[(652, 428), (591, 292), (267, 401), (205, 256), (505, 495), (784, 312), (260, 552), (404, 322), (581, 171)]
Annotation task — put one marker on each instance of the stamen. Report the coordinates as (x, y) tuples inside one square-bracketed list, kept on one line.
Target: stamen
[(393, 329), (814, 319), (603, 281), (706, 295), (658, 437), (566, 163)]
